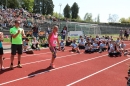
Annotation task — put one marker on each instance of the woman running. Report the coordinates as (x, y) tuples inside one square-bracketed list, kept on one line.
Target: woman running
[(53, 41), (1, 51)]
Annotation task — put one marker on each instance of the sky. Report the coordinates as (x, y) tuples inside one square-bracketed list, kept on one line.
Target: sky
[(102, 7)]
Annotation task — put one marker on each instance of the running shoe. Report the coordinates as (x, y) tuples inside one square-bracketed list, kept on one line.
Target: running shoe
[(78, 52), (11, 67), (19, 66), (53, 66), (3, 58), (2, 68)]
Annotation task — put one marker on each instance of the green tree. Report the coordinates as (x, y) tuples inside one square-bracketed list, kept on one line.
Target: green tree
[(88, 17), (13, 4), (28, 5), (74, 10), (67, 11), (37, 6), (79, 18), (10, 3), (124, 20), (47, 7), (57, 15)]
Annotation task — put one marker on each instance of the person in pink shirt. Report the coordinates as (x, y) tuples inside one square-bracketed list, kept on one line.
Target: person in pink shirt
[(53, 41)]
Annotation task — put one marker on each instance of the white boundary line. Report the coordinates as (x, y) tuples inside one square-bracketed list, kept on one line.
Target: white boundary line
[(40, 54), (61, 68), (97, 72), (10, 50), (34, 54), (44, 60), (52, 70)]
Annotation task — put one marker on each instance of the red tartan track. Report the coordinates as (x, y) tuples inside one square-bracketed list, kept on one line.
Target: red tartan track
[(71, 70)]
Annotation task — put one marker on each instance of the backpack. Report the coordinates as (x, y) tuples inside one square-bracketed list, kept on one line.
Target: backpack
[(29, 52)]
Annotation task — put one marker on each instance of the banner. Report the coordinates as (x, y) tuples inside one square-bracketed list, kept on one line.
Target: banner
[(75, 33)]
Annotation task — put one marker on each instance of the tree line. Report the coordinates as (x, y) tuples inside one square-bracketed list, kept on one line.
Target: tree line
[(46, 7)]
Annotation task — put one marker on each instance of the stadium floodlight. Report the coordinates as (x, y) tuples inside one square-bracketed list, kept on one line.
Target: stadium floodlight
[(60, 10)]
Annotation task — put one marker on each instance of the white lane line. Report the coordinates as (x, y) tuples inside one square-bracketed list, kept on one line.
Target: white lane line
[(97, 72), (10, 50), (52, 70), (41, 54), (44, 60), (34, 54), (29, 55)]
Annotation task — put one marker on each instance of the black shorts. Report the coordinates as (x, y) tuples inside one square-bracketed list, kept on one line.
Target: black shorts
[(53, 50), (16, 48), (1, 51)]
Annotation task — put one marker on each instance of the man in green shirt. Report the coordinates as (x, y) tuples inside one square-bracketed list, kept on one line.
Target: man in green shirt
[(17, 34)]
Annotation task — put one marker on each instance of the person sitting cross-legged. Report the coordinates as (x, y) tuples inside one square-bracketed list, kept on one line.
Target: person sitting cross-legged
[(35, 44), (122, 47), (102, 46), (95, 46), (82, 44), (68, 42), (75, 47), (114, 51), (88, 48), (25, 45)]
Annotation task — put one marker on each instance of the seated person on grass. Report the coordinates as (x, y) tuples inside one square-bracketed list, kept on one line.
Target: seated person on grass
[(88, 48), (35, 44), (25, 44), (44, 44), (81, 44), (75, 47)]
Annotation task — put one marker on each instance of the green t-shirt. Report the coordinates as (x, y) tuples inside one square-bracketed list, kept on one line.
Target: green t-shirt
[(18, 39)]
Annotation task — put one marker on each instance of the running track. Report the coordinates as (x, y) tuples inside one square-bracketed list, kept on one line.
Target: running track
[(71, 70)]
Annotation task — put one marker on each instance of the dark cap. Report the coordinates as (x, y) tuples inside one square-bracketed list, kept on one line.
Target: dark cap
[(17, 21)]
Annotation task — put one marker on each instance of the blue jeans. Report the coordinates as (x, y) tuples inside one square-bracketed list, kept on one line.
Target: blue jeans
[(63, 37), (35, 35)]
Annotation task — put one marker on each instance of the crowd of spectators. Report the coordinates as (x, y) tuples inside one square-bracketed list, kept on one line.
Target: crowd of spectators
[(7, 17)]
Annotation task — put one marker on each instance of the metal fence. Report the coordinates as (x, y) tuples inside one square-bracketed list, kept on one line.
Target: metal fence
[(92, 29)]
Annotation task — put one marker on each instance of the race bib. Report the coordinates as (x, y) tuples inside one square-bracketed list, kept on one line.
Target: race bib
[(54, 42)]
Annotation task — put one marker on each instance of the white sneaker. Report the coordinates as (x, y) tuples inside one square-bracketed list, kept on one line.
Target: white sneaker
[(2, 68)]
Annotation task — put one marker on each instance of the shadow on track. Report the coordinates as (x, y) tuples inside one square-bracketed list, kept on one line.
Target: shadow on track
[(33, 74)]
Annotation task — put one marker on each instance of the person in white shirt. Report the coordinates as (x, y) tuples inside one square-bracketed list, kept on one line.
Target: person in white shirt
[(62, 45), (35, 44), (25, 45), (102, 46), (95, 46), (81, 44), (75, 47), (110, 43), (79, 40), (114, 51), (118, 41), (88, 48), (122, 47)]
